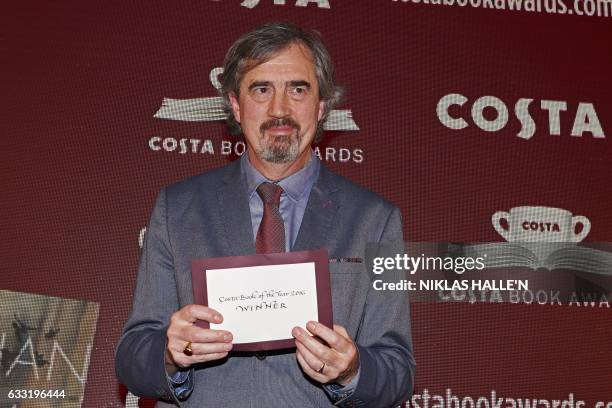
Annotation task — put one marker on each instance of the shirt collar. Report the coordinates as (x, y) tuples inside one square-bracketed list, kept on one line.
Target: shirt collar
[(294, 186)]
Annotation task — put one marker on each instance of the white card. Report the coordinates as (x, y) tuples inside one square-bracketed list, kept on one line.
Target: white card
[(263, 303)]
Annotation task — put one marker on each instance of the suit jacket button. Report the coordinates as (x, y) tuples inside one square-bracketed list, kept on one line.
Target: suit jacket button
[(261, 355)]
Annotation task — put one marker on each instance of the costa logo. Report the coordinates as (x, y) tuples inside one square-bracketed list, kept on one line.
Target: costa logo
[(585, 119), (211, 109), (541, 226), (298, 3)]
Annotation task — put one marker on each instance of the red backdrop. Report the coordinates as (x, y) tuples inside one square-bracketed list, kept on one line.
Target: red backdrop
[(83, 157)]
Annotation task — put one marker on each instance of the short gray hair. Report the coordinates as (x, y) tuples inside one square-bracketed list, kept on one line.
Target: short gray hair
[(261, 45)]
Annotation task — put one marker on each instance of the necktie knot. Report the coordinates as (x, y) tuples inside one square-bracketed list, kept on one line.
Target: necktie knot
[(270, 193)]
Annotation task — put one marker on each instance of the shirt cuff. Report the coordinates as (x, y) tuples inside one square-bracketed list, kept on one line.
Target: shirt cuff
[(339, 392), (182, 383)]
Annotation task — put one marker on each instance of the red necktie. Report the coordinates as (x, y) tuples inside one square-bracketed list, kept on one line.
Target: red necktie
[(271, 233)]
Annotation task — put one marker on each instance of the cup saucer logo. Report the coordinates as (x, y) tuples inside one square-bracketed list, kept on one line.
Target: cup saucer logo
[(529, 224), (540, 224), (210, 109)]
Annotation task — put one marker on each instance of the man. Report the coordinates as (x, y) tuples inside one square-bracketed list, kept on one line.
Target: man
[(278, 83)]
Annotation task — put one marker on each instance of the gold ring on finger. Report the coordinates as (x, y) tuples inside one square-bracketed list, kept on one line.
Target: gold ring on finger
[(187, 350)]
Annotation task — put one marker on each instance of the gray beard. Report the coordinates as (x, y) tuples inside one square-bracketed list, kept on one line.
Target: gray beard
[(280, 149)]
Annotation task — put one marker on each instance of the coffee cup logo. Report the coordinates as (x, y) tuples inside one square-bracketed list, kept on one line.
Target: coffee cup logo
[(540, 224)]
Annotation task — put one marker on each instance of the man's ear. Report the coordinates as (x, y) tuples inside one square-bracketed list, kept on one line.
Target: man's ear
[(235, 106), (321, 110)]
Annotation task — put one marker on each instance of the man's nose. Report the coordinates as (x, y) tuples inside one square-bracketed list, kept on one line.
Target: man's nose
[(279, 105)]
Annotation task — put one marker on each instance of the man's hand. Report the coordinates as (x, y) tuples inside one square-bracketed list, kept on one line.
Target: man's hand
[(206, 344), (336, 361)]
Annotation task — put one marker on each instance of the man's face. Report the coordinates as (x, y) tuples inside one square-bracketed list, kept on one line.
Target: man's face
[(279, 107)]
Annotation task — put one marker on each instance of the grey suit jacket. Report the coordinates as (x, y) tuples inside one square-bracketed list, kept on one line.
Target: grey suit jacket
[(208, 216)]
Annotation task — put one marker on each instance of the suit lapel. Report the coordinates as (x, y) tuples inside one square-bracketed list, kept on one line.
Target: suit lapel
[(323, 204), (234, 221)]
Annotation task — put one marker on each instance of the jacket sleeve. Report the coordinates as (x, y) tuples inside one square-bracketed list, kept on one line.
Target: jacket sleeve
[(384, 339), (140, 354)]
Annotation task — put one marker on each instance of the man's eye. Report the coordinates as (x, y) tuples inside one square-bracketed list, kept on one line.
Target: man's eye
[(299, 90), (261, 90)]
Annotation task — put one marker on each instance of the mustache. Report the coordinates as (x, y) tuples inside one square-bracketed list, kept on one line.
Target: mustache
[(272, 123)]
